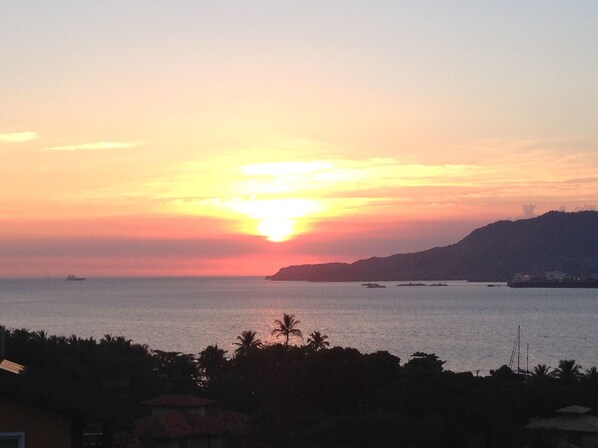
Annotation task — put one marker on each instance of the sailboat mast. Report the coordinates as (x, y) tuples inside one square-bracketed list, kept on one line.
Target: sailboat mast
[(518, 347)]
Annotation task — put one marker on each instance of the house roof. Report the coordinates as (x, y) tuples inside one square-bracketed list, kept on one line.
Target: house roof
[(574, 409), (175, 424), (569, 422), (12, 367), (178, 401)]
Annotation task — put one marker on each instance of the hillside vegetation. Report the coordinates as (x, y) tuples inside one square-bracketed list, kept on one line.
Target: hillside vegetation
[(555, 240)]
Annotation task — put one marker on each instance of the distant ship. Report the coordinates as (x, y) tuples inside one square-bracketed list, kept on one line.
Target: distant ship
[(552, 279), (74, 278)]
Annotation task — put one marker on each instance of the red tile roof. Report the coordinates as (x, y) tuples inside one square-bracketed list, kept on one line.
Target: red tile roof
[(573, 418), (578, 423), (176, 425), (178, 401)]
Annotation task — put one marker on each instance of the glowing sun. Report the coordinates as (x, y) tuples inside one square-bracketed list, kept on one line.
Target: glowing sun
[(276, 230), (277, 219)]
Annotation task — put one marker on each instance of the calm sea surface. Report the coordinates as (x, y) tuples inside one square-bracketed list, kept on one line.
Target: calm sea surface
[(469, 325)]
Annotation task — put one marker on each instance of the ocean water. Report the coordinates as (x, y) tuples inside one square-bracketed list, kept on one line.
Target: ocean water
[(469, 325)]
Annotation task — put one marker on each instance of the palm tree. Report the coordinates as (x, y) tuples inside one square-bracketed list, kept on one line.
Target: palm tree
[(41, 336), (212, 362), (542, 375), (317, 341), (593, 372), (247, 343), (287, 327), (542, 371), (568, 371), (591, 376)]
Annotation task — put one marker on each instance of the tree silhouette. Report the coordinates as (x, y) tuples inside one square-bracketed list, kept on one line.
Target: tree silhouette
[(247, 343), (542, 375), (590, 378), (424, 365), (211, 361), (592, 373), (178, 370), (41, 336), (317, 341), (568, 371), (542, 371), (287, 327)]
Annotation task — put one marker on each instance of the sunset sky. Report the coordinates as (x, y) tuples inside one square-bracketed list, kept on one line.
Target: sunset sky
[(234, 138)]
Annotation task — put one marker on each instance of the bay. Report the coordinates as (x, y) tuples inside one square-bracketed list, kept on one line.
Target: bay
[(469, 325)]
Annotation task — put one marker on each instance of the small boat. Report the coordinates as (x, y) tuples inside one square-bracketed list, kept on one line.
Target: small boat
[(74, 278), (412, 284), (373, 285)]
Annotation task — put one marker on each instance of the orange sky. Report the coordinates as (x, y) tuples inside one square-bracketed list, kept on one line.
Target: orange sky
[(211, 139)]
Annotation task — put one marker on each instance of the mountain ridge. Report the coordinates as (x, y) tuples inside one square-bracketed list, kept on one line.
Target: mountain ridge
[(495, 252)]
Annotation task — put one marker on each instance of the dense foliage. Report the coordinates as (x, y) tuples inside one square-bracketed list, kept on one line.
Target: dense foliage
[(112, 364), (312, 396)]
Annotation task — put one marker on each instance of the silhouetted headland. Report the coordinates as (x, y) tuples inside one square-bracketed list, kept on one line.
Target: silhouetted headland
[(493, 253)]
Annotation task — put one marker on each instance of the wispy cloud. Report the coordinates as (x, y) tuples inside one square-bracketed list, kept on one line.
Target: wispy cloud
[(17, 137), (96, 146)]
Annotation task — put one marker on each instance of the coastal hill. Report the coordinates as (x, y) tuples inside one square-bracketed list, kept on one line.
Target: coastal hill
[(554, 241)]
